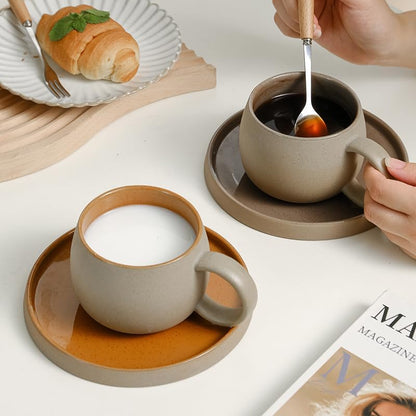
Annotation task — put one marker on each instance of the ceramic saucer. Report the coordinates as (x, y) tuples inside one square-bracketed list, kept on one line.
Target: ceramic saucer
[(236, 194), (71, 339)]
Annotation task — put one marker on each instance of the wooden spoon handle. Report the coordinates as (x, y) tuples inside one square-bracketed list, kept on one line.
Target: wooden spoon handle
[(20, 10), (306, 12)]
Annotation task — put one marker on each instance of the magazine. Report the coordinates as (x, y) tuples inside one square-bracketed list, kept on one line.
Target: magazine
[(370, 370)]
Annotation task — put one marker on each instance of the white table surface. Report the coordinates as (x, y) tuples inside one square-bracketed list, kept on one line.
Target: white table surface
[(309, 291)]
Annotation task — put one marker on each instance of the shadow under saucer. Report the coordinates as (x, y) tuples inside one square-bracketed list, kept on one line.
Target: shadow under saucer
[(236, 194), (70, 338)]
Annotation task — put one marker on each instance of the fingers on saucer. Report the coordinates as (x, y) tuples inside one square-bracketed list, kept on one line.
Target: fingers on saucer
[(403, 171), (393, 194), (386, 219)]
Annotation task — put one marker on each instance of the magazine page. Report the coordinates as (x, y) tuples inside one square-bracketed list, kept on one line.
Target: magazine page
[(369, 371)]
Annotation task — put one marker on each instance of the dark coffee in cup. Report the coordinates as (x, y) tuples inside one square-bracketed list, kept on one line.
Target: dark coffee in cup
[(304, 169), (280, 113)]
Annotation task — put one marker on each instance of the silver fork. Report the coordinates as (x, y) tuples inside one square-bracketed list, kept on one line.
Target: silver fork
[(49, 76)]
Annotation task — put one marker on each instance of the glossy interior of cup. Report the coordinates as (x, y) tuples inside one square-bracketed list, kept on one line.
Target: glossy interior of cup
[(294, 82), (139, 194)]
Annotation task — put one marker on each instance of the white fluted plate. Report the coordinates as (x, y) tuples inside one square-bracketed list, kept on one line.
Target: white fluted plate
[(20, 72)]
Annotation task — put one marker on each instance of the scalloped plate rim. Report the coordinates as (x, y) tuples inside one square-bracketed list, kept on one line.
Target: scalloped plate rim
[(97, 102)]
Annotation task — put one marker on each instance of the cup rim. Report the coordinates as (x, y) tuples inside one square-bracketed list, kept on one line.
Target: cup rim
[(146, 188), (295, 74)]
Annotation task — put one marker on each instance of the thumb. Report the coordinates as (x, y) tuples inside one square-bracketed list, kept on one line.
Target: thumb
[(317, 30), (403, 171)]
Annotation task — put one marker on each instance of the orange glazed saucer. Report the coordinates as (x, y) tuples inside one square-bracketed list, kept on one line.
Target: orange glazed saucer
[(67, 335)]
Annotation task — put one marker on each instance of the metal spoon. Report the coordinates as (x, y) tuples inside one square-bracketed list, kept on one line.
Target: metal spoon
[(308, 123)]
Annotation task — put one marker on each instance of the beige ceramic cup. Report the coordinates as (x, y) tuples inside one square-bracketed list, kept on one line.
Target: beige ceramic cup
[(147, 299), (311, 169)]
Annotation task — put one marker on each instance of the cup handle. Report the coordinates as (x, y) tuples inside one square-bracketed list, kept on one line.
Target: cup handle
[(376, 155), (235, 274)]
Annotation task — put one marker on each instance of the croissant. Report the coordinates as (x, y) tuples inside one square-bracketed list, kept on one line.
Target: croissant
[(101, 51)]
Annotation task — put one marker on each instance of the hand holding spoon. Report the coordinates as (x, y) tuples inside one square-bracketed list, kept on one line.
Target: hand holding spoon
[(308, 123)]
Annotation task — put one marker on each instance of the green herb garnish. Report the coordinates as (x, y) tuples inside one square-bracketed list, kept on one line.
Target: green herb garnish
[(78, 22)]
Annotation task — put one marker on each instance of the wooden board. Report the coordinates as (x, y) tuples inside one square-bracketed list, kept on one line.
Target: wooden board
[(34, 136)]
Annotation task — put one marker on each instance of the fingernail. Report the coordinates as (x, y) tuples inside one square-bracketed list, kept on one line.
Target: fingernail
[(317, 32), (393, 163)]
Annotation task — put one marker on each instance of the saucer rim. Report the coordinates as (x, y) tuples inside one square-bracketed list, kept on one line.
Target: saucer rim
[(277, 226), (117, 376)]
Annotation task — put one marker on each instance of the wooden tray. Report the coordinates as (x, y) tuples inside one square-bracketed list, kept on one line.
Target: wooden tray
[(34, 136)]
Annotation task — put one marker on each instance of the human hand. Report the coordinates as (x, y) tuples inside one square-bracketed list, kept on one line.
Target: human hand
[(391, 204), (359, 31)]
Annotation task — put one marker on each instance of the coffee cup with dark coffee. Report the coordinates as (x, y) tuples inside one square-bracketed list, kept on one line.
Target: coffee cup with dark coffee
[(306, 169)]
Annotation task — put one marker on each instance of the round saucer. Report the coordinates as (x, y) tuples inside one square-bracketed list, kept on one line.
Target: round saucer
[(71, 339), (236, 194)]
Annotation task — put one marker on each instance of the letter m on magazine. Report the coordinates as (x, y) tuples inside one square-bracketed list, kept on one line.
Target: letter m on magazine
[(342, 366), (398, 322)]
